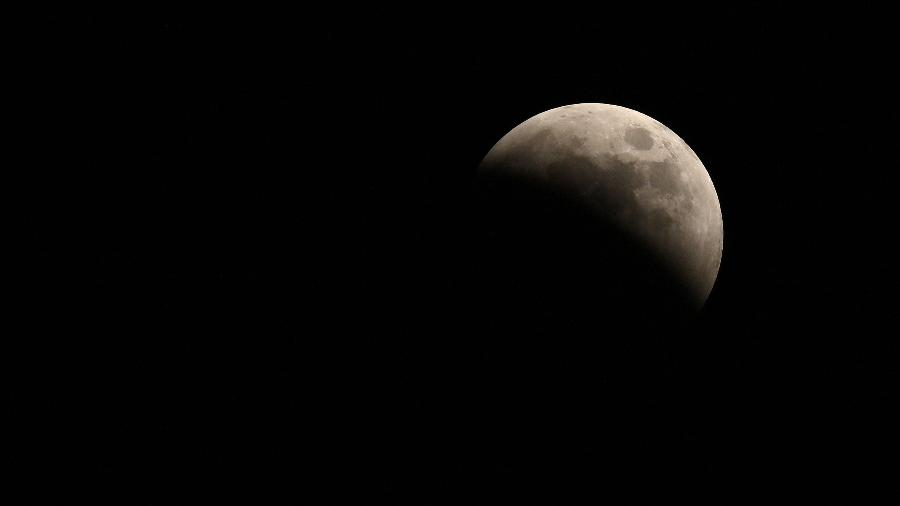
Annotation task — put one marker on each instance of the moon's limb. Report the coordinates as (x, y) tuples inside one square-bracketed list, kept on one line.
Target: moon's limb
[(630, 171)]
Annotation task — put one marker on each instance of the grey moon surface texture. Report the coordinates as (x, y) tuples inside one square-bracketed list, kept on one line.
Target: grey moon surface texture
[(634, 177)]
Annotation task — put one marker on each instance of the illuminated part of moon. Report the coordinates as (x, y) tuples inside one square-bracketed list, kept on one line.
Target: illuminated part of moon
[(628, 171)]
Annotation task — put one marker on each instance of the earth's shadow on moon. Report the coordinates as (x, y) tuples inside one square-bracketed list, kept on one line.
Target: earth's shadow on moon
[(554, 277)]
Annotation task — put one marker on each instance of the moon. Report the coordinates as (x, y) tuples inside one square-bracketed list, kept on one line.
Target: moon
[(604, 205)]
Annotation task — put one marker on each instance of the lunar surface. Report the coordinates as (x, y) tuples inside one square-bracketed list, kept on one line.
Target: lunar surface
[(605, 205)]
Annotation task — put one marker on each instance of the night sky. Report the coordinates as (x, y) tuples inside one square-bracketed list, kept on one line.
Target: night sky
[(257, 276)]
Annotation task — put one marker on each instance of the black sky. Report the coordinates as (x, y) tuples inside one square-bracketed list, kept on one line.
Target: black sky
[(257, 263)]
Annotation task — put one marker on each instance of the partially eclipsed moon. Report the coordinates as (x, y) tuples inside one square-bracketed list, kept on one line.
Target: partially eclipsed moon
[(623, 176)]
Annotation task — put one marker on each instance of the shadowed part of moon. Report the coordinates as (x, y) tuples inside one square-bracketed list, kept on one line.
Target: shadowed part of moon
[(545, 254)]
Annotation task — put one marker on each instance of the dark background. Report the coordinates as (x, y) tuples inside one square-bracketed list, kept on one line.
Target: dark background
[(257, 271)]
